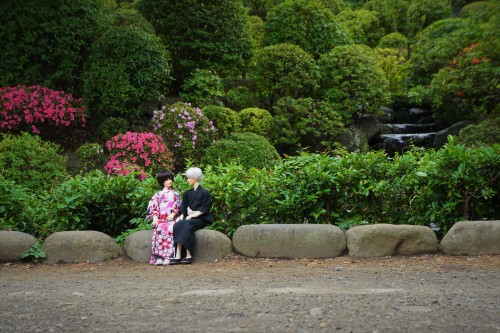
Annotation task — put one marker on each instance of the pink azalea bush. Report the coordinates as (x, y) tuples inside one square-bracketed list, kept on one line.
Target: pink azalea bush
[(23, 106), (187, 131), (137, 152)]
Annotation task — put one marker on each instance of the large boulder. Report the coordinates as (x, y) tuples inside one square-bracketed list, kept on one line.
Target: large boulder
[(80, 246), (13, 244), (378, 240), (354, 139), (289, 241), (210, 245), (472, 238), (441, 137), (138, 245)]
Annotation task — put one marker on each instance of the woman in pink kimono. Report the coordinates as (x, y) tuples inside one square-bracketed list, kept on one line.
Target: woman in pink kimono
[(163, 209)]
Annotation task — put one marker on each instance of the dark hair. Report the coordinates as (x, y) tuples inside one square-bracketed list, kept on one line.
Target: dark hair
[(163, 176)]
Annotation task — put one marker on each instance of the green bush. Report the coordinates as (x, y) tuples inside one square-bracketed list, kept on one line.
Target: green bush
[(225, 120), (46, 42), (202, 88), (307, 24), (31, 162), (239, 98), (436, 45), (284, 70), (257, 30), (92, 156), (237, 194), (112, 126), (486, 132), (352, 81), (394, 40), (468, 87), (392, 62), (247, 149), (363, 25), (126, 68), (306, 123), (423, 13), (212, 35), (255, 120)]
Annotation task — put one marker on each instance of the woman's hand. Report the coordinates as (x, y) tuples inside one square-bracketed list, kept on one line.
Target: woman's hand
[(171, 216), (155, 221)]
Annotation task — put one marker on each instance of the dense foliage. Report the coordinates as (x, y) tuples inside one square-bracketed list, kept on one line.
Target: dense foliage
[(209, 35), (225, 120)]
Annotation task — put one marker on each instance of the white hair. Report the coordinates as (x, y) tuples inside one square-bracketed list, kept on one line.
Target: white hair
[(194, 173)]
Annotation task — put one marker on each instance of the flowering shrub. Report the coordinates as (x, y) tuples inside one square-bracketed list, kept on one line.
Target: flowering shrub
[(23, 106), (137, 152), (187, 131), (467, 88)]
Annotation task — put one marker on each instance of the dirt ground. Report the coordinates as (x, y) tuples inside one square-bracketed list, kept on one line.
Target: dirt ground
[(431, 293)]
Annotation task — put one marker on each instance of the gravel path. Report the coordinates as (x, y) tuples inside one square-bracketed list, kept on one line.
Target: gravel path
[(432, 293)]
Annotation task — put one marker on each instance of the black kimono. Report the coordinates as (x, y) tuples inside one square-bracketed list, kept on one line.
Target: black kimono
[(196, 200)]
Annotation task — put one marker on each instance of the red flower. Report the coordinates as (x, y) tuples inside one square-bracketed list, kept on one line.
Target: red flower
[(460, 93), (475, 61)]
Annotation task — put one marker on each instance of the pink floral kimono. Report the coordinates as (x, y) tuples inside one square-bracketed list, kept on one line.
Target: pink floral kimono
[(162, 204)]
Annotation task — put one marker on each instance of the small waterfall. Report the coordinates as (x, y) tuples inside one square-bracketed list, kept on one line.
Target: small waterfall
[(413, 125)]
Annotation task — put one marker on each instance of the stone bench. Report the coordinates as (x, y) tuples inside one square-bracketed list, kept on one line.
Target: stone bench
[(210, 245), (472, 238), (13, 244), (378, 240), (289, 241), (80, 246)]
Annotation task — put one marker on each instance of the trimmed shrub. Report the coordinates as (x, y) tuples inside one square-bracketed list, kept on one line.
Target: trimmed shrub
[(307, 24), (306, 123), (246, 149), (239, 98), (31, 162), (352, 81), (186, 131), (394, 40), (225, 120), (126, 68), (392, 62), (284, 70), (202, 88), (363, 25), (138, 152), (255, 120)]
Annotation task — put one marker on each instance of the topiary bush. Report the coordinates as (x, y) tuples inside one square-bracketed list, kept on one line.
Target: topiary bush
[(255, 120), (138, 152), (305, 123), (247, 149), (31, 162), (126, 68), (186, 131), (284, 70), (352, 81), (394, 40), (307, 24), (363, 25), (202, 88), (225, 120), (239, 98)]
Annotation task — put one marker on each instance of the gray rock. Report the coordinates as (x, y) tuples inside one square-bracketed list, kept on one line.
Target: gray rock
[(387, 115), (377, 240), (13, 244), (370, 126), (210, 245), (472, 238), (138, 245), (354, 140), (80, 246), (289, 241), (441, 137)]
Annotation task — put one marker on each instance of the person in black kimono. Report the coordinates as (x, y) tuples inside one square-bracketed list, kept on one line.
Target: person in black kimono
[(195, 214)]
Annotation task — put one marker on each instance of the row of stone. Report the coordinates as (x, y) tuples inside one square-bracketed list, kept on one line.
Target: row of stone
[(269, 241)]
